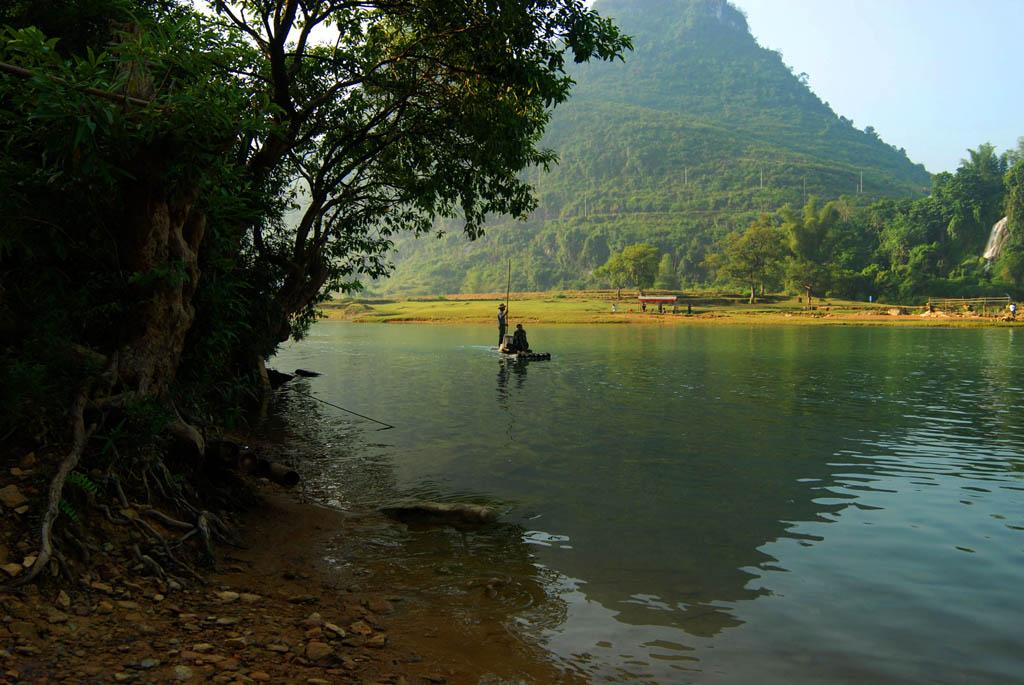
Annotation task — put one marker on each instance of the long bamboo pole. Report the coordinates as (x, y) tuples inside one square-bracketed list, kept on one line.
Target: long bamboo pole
[(508, 286)]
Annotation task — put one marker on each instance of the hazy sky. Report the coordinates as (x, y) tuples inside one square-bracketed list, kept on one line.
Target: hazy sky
[(933, 76)]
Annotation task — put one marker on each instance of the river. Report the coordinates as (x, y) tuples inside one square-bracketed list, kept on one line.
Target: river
[(699, 504)]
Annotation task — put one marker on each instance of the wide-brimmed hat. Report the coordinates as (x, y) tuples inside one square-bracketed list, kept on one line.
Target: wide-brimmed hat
[(501, 306)]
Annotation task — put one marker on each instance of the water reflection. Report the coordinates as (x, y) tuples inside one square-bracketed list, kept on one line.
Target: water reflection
[(761, 504)]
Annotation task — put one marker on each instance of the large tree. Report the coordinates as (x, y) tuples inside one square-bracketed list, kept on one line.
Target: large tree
[(386, 115), (180, 189), (754, 256)]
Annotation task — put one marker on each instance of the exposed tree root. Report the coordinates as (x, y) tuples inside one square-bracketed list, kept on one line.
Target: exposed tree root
[(81, 434)]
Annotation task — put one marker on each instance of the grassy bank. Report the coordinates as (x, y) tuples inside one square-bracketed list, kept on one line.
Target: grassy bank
[(694, 308)]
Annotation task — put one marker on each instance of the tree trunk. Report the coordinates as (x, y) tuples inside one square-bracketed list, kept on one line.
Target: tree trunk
[(159, 244)]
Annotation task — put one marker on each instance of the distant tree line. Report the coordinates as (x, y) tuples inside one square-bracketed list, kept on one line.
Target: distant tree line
[(889, 251)]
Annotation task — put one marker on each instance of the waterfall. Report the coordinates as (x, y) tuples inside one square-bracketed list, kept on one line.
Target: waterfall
[(996, 239)]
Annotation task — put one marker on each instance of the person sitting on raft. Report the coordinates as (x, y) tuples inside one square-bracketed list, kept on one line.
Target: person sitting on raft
[(519, 343)]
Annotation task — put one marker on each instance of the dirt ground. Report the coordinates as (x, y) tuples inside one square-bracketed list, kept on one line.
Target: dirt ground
[(274, 611)]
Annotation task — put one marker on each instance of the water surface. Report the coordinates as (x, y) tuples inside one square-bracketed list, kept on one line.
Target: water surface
[(694, 504)]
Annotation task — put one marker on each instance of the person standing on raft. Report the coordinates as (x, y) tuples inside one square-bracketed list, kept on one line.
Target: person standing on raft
[(502, 324)]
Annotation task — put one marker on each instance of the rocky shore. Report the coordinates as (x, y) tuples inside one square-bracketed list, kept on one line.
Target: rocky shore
[(273, 611)]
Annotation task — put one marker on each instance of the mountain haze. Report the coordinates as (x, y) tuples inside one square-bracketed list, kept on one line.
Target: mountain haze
[(699, 131)]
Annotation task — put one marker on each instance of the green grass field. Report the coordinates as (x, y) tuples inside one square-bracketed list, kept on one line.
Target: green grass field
[(595, 307)]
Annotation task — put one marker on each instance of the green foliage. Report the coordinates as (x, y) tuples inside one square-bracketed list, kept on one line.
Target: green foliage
[(82, 481), (753, 258), (666, 279), (75, 481), (694, 136)]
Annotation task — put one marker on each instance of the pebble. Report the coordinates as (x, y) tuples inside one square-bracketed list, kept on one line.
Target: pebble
[(361, 627), (203, 648), (149, 663), (182, 673), (259, 676), (12, 569), (377, 641), (104, 607), (11, 497), (378, 605), (227, 596), (318, 650), (64, 600), (337, 630)]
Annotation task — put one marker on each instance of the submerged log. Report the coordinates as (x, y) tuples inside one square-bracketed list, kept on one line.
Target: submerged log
[(278, 378), (442, 513), (307, 374), (276, 472)]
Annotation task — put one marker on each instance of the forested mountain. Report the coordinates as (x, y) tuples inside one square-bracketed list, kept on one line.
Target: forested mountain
[(698, 132)]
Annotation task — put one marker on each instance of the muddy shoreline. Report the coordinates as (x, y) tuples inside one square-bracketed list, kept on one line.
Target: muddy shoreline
[(308, 599)]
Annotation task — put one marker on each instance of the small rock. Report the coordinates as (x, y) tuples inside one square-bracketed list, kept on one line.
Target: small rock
[(16, 472), (11, 497), (259, 676), (277, 648), (28, 561), (361, 627), (56, 616), (313, 619), (104, 607), (302, 599), (123, 677), (228, 621), (182, 673), (148, 663), (129, 605), (337, 630), (314, 633), (64, 600), (23, 629), (227, 664), (235, 643), (315, 651), (377, 641), (203, 648), (227, 596), (20, 511), (101, 587), (12, 569), (378, 605), (317, 681), (249, 598)]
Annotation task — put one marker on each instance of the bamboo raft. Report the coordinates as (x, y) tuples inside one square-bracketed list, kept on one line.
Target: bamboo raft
[(524, 356)]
